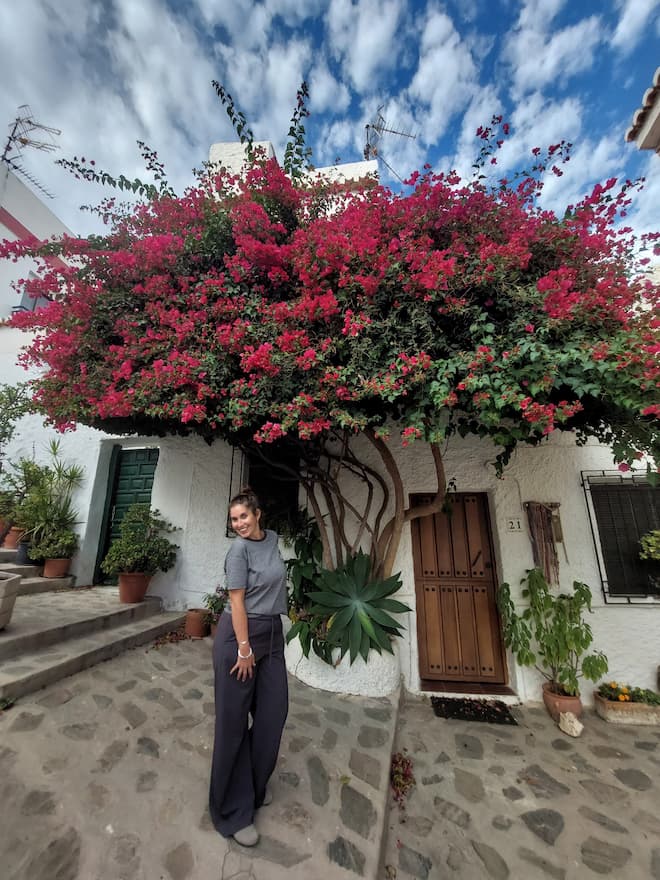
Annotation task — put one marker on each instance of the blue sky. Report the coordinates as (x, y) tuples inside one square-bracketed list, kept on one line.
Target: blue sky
[(109, 72)]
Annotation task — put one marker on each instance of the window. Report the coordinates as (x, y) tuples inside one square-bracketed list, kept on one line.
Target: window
[(277, 489), (624, 509)]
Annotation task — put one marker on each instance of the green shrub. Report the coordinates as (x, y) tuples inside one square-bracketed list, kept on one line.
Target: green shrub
[(141, 546)]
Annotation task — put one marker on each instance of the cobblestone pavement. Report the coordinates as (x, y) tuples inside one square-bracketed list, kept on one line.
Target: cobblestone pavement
[(104, 776), (525, 802)]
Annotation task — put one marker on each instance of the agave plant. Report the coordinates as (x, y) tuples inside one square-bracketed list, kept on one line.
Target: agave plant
[(358, 610)]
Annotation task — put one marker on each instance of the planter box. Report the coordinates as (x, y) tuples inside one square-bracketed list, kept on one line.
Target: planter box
[(626, 713), (378, 677), (9, 584)]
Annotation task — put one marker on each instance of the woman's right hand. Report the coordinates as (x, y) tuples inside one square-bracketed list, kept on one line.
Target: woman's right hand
[(244, 666)]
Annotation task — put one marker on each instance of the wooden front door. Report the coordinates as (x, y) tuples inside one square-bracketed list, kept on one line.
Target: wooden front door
[(130, 480), (458, 627)]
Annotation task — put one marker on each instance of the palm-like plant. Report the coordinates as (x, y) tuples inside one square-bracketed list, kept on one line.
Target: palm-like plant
[(358, 611)]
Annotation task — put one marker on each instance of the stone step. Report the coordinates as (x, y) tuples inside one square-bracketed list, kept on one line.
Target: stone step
[(34, 670), (23, 570), (7, 555), (31, 585), (39, 622)]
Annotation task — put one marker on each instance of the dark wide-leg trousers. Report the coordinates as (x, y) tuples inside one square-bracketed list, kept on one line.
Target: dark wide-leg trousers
[(244, 760)]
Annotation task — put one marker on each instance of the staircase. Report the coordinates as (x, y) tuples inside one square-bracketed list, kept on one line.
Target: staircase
[(57, 630)]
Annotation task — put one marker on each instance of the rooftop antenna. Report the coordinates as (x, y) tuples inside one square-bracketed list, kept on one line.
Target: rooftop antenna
[(374, 131), (26, 132)]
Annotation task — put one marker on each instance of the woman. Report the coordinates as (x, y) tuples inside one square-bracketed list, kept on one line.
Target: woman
[(250, 675)]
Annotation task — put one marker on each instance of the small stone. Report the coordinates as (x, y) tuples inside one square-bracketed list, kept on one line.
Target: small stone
[(502, 823), (133, 714), (561, 745), (496, 770), (602, 820), (111, 756), (452, 812), (413, 862), (493, 862), (442, 758), (634, 779), (469, 746), (163, 698), (274, 850), (431, 780), (372, 737), (56, 698), (208, 708), (455, 858), (608, 752), (329, 739), (337, 716), (569, 724), (603, 792), (102, 701), (540, 862), (183, 722), (542, 784), (296, 816), (345, 854), (546, 824), (148, 746), (185, 678), (469, 785), (507, 749), (179, 862), (39, 802), (126, 686), (146, 781), (655, 864), (298, 743), (603, 857), (55, 764), (98, 795), (366, 768), (59, 859), (290, 778), (512, 793), (81, 732), (27, 721), (421, 826), (193, 694), (357, 812), (647, 821), (309, 718), (124, 852), (318, 780), (383, 715)]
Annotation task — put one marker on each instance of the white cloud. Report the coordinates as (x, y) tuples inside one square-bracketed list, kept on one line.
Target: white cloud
[(635, 15), (326, 92), (363, 38), (446, 77), (538, 57)]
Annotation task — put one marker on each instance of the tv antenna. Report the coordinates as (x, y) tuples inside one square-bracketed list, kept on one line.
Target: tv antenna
[(26, 132), (374, 131)]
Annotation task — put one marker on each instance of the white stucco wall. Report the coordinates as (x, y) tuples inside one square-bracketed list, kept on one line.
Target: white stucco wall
[(33, 214)]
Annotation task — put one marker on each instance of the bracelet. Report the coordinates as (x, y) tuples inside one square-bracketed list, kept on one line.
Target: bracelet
[(246, 642), (247, 656)]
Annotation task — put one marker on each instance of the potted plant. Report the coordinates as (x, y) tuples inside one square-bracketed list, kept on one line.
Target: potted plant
[(552, 635), (623, 704), (650, 544), (215, 604), (56, 547), (140, 551)]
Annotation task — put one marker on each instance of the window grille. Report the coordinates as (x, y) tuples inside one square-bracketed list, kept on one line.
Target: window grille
[(622, 509)]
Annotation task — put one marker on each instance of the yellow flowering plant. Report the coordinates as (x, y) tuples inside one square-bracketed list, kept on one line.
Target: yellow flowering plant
[(624, 693)]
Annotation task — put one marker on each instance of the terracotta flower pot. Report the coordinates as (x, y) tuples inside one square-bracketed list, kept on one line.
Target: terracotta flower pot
[(196, 623), (133, 586), (558, 703), (12, 538), (56, 568)]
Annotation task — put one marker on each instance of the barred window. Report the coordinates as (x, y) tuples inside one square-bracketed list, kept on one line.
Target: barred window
[(624, 510)]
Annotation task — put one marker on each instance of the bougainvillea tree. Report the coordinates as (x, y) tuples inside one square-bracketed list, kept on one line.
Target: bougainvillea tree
[(283, 309)]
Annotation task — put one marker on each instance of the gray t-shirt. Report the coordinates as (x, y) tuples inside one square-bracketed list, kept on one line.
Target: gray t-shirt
[(257, 567)]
